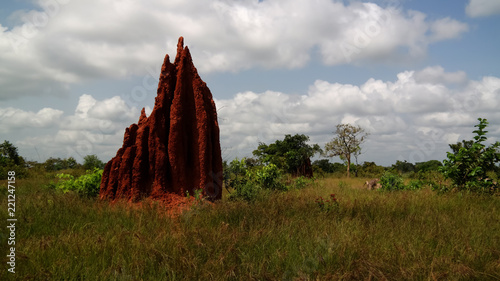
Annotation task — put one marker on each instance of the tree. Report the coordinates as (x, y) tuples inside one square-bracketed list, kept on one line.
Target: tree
[(324, 165), (348, 142), (92, 161), (292, 154), (370, 169), (57, 164), (9, 155), (468, 164), (455, 148), (403, 167), (11, 161), (71, 163), (431, 165), (54, 164)]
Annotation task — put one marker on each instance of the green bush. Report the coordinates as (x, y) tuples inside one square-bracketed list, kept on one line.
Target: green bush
[(390, 182), (234, 173), (300, 182), (86, 185), (467, 166), (269, 177), (415, 184), (247, 192)]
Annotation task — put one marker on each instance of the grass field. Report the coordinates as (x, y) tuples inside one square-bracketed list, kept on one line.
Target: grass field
[(405, 235)]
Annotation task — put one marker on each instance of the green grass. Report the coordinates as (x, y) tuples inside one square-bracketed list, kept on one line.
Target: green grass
[(404, 235)]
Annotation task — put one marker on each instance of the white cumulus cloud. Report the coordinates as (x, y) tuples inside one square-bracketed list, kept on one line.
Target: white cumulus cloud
[(95, 127), (18, 119), (482, 8), (63, 43)]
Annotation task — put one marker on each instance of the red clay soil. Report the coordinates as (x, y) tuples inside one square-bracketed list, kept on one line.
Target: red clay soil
[(174, 150), (173, 206)]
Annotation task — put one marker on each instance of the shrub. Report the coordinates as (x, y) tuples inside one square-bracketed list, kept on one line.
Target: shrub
[(415, 184), (432, 179), (300, 182), (390, 182), (248, 192), (470, 161), (268, 177), (86, 185), (234, 173)]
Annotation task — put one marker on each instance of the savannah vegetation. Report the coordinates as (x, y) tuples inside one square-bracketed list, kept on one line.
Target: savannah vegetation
[(430, 220)]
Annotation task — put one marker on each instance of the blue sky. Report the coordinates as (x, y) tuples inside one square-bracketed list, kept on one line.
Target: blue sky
[(415, 74)]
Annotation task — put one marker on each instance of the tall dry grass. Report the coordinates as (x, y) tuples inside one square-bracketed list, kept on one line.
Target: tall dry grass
[(404, 235)]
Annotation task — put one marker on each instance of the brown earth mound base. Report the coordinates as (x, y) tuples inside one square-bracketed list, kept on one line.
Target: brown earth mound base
[(174, 150)]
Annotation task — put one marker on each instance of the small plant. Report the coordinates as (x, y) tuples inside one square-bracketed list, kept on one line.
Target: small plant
[(390, 182), (198, 194), (328, 205), (415, 184), (300, 182), (343, 184)]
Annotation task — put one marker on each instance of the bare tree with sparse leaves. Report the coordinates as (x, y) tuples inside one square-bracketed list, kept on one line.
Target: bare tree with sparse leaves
[(347, 142)]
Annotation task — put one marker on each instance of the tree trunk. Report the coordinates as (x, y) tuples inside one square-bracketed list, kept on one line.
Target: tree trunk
[(348, 166)]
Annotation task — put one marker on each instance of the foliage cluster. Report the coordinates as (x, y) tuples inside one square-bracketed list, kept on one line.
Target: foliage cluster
[(247, 180), (391, 181), (10, 160), (86, 185), (468, 165), (57, 164), (291, 155)]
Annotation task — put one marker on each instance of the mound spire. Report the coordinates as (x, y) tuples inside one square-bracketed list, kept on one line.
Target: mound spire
[(174, 150)]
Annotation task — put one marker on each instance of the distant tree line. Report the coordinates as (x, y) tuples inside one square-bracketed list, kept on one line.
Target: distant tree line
[(10, 160)]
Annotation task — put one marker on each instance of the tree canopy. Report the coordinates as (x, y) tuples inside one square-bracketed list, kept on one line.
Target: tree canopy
[(292, 154), (92, 161), (347, 142), (9, 155)]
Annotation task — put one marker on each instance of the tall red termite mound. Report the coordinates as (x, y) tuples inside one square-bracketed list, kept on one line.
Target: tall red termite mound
[(174, 150)]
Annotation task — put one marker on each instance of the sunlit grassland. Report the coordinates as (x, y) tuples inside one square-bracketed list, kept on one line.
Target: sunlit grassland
[(403, 235)]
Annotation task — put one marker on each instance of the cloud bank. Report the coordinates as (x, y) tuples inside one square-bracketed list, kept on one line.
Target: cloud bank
[(413, 118), (63, 43), (416, 116)]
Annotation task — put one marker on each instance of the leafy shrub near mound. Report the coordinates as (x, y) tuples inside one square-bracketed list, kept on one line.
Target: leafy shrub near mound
[(86, 185), (248, 192), (248, 180), (256, 179), (391, 182)]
